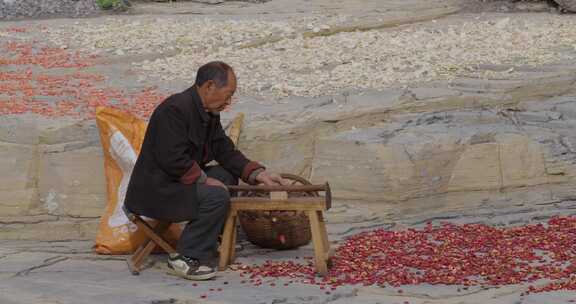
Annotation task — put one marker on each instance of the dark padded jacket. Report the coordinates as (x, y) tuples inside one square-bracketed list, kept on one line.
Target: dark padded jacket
[(180, 140)]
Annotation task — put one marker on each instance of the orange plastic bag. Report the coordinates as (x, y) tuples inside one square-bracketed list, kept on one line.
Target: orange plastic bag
[(121, 135)]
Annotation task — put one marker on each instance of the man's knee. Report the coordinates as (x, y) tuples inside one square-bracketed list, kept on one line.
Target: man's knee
[(222, 194), (221, 174), (216, 198)]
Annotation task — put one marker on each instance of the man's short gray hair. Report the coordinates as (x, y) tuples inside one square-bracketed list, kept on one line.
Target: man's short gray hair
[(216, 71)]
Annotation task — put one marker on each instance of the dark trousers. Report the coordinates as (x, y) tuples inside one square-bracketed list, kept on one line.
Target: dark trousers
[(200, 237)]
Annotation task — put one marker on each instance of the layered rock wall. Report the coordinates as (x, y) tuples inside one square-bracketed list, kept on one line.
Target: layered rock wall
[(442, 148)]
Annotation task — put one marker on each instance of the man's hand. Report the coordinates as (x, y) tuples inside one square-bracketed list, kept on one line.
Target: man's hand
[(270, 179), (214, 182)]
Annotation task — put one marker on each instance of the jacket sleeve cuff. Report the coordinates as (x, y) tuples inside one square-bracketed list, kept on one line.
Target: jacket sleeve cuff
[(248, 169), (253, 175), (193, 175), (202, 179)]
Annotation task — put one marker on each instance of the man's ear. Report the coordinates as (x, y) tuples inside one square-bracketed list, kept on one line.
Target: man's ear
[(210, 84)]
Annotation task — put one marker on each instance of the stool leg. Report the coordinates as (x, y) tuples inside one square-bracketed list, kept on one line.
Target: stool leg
[(226, 242), (138, 253), (318, 242), (154, 233), (135, 260)]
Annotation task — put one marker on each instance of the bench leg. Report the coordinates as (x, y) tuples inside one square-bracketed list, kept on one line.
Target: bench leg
[(227, 246), (328, 253), (318, 241), (234, 234)]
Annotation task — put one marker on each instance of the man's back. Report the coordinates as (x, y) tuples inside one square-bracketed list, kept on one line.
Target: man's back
[(155, 180)]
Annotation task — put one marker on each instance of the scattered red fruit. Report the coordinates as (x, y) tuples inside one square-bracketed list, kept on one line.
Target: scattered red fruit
[(16, 30), (28, 86), (468, 255)]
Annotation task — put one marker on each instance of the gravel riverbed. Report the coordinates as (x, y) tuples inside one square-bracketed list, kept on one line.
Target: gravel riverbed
[(276, 58), (11, 9)]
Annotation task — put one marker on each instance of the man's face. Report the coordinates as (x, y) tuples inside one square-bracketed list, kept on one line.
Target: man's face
[(217, 99)]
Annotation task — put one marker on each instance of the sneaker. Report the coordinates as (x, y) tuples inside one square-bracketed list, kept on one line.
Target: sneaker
[(190, 268)]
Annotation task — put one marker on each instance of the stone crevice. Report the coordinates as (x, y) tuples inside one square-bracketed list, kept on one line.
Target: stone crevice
[(47, 262), (351, 27)]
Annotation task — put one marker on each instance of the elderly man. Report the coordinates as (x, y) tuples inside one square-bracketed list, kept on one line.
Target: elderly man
[(171, 181)]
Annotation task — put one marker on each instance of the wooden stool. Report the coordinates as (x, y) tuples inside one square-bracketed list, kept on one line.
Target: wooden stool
[(279, 201), (153, 239)]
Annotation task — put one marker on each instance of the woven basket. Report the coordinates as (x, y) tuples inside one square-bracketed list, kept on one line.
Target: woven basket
[(278, 229)]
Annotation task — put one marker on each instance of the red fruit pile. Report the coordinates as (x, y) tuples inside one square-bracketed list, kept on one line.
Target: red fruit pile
[(16, 53), (51, 82), (16, 30), (469, 254)]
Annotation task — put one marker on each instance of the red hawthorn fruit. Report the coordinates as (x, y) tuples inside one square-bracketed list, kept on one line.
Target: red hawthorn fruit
[(463, 255)]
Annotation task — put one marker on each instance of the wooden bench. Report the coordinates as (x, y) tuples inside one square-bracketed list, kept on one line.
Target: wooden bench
[(279, 200)]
